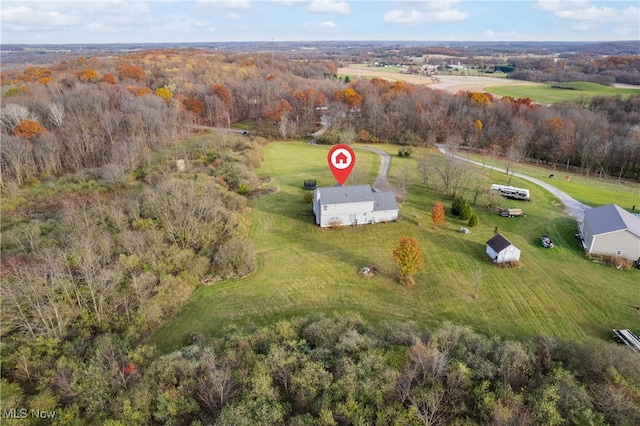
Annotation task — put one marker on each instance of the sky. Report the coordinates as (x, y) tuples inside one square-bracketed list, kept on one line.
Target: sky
[(167, 21)]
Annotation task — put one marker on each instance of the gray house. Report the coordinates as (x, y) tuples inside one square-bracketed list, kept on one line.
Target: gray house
[(353, 205), (500, 250), (611, 230)]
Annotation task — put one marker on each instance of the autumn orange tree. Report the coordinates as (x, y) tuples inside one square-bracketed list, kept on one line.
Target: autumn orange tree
[(223, 93), (130, 71), (409, 258), (437, 214), (109, 78), (28, 129)]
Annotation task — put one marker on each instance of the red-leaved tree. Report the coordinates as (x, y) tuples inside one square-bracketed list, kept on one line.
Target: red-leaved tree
[(437, 214)]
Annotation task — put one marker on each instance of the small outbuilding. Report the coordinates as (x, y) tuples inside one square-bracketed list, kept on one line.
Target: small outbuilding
[(611, 230), (501, 250)]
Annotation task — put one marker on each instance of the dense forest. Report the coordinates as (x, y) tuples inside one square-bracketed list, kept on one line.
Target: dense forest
[(123, 190)]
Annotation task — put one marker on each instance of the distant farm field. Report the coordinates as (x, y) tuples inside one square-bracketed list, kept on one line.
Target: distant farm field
[(545, 93), (304, 269)]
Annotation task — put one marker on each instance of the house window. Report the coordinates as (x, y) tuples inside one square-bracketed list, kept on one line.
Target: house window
[(619, 252), (324, 208), (352, 217)]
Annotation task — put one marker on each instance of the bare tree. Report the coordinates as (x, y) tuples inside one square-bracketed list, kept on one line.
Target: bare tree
[(16, 159), (55, 114), (452, 173), (11, 115), (476, 276), (425, 167)]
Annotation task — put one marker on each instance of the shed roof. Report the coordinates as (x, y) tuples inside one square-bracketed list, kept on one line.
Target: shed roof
[(498, 243), (611, 218), (358, 194)]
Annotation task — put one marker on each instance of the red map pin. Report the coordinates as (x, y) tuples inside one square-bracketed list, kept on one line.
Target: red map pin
[(341, 159)]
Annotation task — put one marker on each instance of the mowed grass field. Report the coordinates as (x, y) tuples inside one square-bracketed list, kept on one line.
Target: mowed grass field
[(303, 269), (544, 93)]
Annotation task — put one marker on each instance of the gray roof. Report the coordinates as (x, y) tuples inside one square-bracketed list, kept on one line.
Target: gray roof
[(358, 194), (498, 243), (611, 218)]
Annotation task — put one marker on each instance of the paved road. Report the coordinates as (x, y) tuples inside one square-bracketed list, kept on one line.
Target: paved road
[(573, 207)]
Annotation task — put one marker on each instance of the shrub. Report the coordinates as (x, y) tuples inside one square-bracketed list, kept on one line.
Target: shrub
[(242, 189), (456, 206), (405, 152), (307, 197), (473, 220), (465, 211), (615, 261)]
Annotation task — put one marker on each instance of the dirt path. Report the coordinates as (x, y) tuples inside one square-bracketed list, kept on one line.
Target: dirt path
[(573, 207)]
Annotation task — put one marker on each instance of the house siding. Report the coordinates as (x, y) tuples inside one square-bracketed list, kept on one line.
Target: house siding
[(610, 243), (350, 213), (509, 254)]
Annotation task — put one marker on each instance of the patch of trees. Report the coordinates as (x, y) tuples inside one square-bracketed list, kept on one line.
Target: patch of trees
[(332, 371), (89, 269), (604, 70)]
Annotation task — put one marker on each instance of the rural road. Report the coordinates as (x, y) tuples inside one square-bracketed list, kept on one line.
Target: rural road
[(574, 207)]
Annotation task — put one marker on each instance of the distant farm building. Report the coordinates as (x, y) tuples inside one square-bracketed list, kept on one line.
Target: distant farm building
[(611, 230), (501, 250), (353, 205)]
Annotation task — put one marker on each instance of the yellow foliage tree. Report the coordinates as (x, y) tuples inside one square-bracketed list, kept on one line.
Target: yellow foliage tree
[(408, 257), (89, 75), (164, 93)]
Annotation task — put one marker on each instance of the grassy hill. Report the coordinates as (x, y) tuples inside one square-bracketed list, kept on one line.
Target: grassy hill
[(304, 269), (546, 93)]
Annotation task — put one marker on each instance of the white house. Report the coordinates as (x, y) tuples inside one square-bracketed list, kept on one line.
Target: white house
[(611, 230), (500, 250), (353, 205)]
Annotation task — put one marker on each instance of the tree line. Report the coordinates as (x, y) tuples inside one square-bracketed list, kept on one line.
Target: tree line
[(337, 370), (111, 113)]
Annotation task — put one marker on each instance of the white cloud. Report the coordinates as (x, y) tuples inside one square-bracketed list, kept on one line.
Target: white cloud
[(559, 5), (224, 4), (587, 17), (331, 6), (323, 27), (418, 17), (25, 16), (502, 36)]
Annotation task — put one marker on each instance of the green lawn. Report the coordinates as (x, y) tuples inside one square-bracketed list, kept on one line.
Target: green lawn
[(573, 91), (304, 269)]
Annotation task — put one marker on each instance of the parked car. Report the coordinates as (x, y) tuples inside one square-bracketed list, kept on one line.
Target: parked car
[(546, 242)]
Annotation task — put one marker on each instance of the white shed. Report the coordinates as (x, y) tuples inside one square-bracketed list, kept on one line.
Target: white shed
[(500, 250)]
